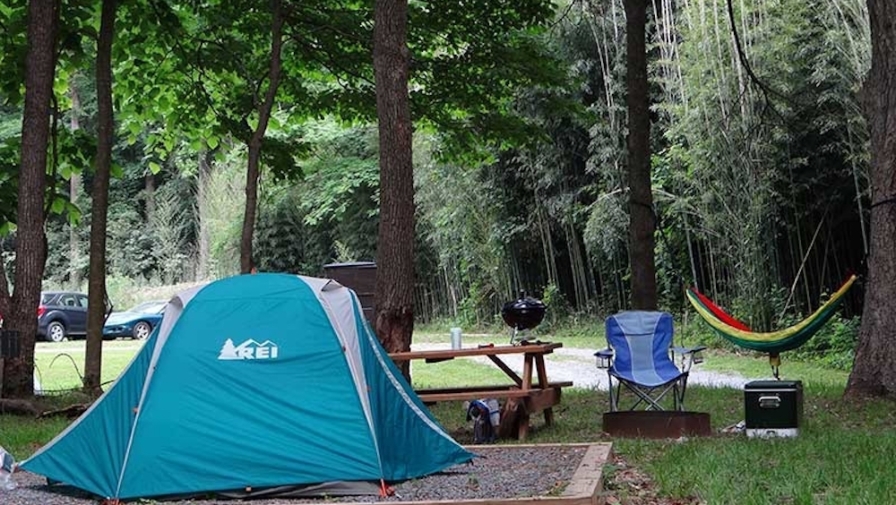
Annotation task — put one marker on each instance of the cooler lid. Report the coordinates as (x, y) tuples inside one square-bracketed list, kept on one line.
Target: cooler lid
[(772, 384)]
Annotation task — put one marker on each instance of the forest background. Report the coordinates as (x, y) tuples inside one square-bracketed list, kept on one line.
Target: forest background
[(761, 190)]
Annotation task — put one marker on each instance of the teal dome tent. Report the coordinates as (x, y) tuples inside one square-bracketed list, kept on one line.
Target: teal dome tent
[(255, 385)]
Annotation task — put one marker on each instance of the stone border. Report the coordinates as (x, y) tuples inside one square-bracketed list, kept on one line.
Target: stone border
[(583, 489)]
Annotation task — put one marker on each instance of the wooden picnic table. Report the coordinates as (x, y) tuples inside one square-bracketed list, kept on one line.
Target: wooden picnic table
[(525, 395)]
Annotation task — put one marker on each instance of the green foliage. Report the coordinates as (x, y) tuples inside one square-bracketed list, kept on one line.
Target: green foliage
[(606, 232), (560, 309), (328, 215), (342, 174), (468, 59), (62, 266), (519, 149), (13, 48), (834, 345), (9, 182), (746, 165), (469, 311), (221, 213), (70, 152), (172, 226), (284, 242), (461, 222), (131, 243)]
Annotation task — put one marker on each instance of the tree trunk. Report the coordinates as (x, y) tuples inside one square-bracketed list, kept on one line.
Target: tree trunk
[(31, 242), (395, 244), (96, 294), (264, 115), (641, 230), (874, 369), (247, 262)]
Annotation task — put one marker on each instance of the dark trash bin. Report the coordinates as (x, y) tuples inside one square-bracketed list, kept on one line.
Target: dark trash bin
[(360, 277)]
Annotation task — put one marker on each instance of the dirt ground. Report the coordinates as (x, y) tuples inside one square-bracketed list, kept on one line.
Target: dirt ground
[(629, 486)]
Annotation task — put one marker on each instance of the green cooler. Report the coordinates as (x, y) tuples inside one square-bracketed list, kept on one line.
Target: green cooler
[(773, 408)]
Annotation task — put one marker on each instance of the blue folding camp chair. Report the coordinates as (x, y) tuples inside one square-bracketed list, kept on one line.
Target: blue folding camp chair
[(641, 357)]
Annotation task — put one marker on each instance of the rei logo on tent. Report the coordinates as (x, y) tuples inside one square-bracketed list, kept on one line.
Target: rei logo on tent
[(250, 349)]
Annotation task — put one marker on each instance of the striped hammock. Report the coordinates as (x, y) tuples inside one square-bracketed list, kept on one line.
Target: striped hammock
[(771, 342)]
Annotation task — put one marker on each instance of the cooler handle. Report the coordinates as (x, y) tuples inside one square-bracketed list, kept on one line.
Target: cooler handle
[(769, 402)]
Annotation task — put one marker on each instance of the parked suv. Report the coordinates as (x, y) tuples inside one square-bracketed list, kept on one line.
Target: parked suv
[(61, 314)]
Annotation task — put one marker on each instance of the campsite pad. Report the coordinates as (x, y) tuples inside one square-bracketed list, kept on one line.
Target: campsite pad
[(563, 474)]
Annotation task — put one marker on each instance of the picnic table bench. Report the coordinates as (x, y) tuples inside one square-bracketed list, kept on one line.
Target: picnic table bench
[(524, 395)]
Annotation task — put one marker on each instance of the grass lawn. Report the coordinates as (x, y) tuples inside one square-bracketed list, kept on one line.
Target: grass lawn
[(841, 456), (60, 366)]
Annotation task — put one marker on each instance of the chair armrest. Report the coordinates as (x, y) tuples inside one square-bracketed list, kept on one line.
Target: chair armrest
[(690, 356), (688, 350), (604, 353)]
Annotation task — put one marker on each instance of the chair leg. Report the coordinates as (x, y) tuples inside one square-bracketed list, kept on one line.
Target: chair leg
[(614, 398), (683, 386), (646, 395)]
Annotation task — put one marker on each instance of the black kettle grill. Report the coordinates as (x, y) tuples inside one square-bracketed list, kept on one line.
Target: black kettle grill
[(522, 314)]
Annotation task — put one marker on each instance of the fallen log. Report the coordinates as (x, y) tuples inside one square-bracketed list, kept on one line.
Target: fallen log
[(18, 407), (71, 412)]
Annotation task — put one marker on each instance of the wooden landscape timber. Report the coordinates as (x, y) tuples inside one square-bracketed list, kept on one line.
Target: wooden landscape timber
[(584, 487)]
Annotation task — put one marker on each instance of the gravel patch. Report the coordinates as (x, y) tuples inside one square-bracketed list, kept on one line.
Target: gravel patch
[(501, 472), (578, 366)]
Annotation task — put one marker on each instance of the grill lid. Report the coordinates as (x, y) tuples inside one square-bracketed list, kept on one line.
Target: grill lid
[(523, 313)]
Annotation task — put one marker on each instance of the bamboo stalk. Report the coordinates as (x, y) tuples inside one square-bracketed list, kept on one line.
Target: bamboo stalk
[(799, 271)]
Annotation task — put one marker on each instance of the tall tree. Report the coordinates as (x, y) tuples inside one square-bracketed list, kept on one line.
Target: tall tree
[(255, 141), (96, 291), (31, 245), (874, 370), (643, 224), (395, 250)]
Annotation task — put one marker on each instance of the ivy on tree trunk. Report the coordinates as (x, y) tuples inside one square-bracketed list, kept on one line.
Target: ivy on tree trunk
[(395, 246), (874, 369)]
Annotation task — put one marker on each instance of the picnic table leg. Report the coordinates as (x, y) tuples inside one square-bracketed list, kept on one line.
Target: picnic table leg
[(524, 426), (543, 384), (527, 371), (526, 386)]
